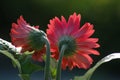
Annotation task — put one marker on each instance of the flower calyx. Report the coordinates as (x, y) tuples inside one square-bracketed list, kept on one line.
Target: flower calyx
[(35, 39), (70, 44)]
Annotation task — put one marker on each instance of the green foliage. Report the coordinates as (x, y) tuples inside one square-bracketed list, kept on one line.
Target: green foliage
[(24, 76), (53, 67), (22, 61), (28, 67), (11, 56), (89, 73)]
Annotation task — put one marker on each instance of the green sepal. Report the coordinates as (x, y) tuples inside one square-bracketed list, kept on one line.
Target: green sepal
[(35, 39)]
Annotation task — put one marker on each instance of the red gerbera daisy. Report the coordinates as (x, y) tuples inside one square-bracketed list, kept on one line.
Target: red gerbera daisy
[(28, 37), (76, 38)]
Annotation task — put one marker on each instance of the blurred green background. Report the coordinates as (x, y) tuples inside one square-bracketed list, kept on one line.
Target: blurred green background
[(104, 14)]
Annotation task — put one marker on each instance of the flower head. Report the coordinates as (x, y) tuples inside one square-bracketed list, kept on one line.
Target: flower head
[(28, 37), (76, 38)]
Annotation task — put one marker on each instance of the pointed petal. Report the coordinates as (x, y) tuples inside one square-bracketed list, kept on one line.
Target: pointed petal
[(73, 23), (85, 31)]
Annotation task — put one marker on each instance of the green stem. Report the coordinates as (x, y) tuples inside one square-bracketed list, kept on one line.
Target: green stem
[(24, 76), (47, 63), (58, 75)]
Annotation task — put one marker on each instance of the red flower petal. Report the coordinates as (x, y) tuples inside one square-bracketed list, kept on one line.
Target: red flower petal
[(20, 37), (37, 55), (85, 31), (85, 45)]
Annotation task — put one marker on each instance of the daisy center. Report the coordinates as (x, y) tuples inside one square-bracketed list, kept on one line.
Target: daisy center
[(70, 43)]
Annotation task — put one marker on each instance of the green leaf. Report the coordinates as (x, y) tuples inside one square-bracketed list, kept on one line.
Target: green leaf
[(11, 56), (89, 73), (53, 67), (28, 67), (24, 76), (22, 61), (28, 52)]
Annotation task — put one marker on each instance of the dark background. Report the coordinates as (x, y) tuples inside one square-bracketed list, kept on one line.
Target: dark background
[(104, 14)]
